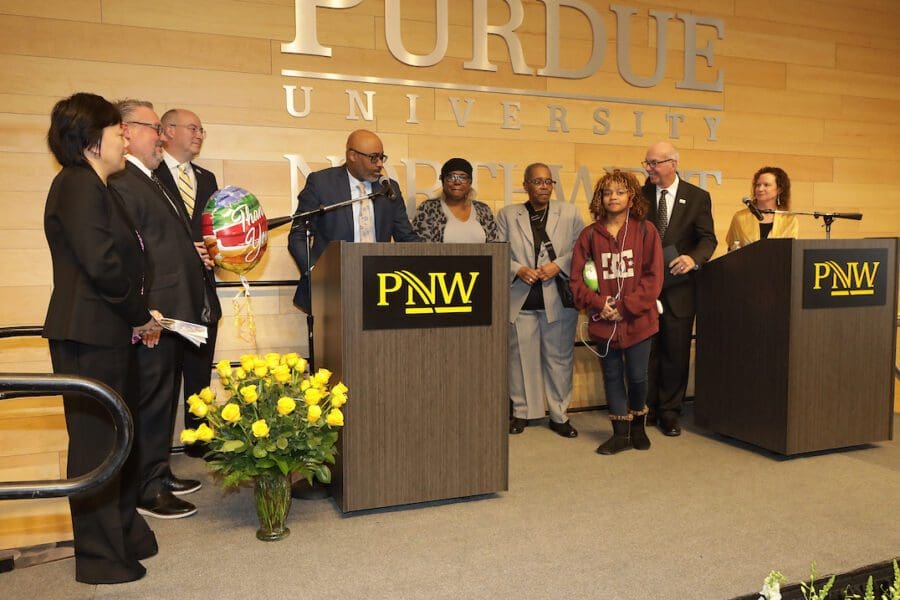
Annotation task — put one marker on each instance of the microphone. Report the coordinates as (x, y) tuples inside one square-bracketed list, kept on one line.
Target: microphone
[(753, 210), (387, 190)]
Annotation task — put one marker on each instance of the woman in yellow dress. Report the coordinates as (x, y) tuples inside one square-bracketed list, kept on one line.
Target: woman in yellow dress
[(771, 190)]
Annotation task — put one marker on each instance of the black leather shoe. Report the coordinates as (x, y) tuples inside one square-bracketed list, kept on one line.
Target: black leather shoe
[(181, 487), (669, 426), (564, 429), (197, 450), (166, 506), (517, 425)]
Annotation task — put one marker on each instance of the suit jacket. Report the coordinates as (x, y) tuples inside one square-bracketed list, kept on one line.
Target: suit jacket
[(206, 187), (98, 263), (331, 186), (745, 228), (175, 285), (691, 231), (564, 223)]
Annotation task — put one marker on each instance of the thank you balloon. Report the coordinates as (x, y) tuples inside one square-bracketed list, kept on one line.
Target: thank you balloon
[(235, 230)]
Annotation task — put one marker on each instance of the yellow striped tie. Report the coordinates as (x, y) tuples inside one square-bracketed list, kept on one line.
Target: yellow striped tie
[(186, 188)]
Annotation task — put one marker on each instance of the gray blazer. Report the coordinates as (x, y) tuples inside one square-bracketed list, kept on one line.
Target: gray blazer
[(564, 223)]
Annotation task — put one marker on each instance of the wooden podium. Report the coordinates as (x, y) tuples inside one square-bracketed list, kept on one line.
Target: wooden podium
[(428, 407), (779, 365)]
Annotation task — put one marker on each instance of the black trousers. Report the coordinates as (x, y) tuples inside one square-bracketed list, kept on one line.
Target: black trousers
[(670, 363), (158, 384), (197, 370), (110, 536)]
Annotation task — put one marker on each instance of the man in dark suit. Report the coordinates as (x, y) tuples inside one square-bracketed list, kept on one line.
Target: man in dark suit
[(682, 213), (183, 136), (175, 286), (377, 220)]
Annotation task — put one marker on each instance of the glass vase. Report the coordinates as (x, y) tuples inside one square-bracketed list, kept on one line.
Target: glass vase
[(273, 502)]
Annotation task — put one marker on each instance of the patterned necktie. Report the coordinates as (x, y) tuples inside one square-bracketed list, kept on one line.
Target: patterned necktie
[(366, 222), (186, 188), (662, 215)]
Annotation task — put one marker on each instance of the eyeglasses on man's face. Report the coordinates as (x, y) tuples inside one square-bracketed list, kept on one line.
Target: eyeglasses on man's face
[(374, 157), (192, 128), (538, 182), (652, 164), (458, 178), (154, 126)]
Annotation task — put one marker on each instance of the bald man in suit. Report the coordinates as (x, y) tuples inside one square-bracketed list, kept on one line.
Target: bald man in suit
[(358, 177)]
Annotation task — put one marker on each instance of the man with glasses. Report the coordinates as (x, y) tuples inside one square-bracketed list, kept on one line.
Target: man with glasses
[(682, 213), (378, 219), (541, 236), (183, 135), (175, 287)]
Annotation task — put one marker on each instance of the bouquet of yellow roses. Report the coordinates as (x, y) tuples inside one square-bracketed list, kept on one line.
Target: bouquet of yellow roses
[(276, 417)]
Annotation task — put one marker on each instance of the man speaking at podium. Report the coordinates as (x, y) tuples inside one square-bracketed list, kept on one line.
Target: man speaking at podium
[(378, 219)]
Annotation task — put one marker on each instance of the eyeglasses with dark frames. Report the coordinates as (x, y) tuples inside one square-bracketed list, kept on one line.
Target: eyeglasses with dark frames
[(538, 182), (373, 157), (154, 126), (655, 163)]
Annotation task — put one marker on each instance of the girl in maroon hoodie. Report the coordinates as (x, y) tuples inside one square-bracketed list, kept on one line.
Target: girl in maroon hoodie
[(616, 277)]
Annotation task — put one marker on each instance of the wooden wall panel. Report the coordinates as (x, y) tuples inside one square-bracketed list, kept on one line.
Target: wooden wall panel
[(810, 86)]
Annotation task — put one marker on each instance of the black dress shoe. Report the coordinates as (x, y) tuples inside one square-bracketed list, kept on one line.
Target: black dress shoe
[(669, 426), (517, 425), (564, 429), (180, 487), (166, 506)]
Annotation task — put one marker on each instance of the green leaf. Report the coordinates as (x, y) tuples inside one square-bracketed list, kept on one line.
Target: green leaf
[(323, 473), (259, 452), (233, 446), (282, 465), (281, 443)]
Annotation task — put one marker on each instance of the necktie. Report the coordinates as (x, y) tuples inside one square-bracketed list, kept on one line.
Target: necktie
[(366, 221), (166, 194), (186, 188), (662, 215)]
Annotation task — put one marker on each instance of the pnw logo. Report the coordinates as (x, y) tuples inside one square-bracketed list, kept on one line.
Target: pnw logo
[(849, 279), (444, 293)]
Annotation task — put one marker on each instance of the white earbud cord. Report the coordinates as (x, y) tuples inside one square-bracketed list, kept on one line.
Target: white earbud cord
[(620, 279)]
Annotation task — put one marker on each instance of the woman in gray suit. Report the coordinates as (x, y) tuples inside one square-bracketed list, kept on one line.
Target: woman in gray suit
[(541, 235)]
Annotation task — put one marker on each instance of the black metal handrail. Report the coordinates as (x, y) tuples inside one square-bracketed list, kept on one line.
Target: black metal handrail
[(17, 385)]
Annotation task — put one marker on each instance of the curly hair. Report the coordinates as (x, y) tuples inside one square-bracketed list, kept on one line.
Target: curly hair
[(782, 181), (639, 206)]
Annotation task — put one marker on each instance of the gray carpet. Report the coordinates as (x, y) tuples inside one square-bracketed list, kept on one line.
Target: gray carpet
[(698, 516)]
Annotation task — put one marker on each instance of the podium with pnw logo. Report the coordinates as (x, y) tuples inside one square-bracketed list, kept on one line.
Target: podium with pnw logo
[(796, 343), (418, 332)]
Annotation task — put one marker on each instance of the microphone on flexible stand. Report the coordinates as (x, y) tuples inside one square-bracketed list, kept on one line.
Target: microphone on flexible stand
[(387, 190), (753, 210)]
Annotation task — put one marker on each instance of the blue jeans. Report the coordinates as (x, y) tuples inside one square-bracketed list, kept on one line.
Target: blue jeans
[(621, 364)]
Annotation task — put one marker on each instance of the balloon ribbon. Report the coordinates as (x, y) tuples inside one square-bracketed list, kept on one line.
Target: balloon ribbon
[(244, 320)]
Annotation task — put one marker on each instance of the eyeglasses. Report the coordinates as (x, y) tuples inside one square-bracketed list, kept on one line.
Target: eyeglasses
[(654, 163), (154, 126), (538, 182), (374, 157), (457, 177), (192, 128)]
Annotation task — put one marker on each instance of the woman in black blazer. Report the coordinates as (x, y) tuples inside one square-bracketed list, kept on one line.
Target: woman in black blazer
[(97, 312)]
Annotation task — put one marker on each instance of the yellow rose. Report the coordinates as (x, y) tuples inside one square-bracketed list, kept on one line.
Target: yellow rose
[(312, 396), (223, 368), (204, 432), (207, 395), (304, 385), (273, 359), (338, 400), (240, 374), (247, 361), (188, 436), (231, 413), (301, 365), (322, 376), (193, 399), (313, 413), (339, 388), (249, 394), (260, 371), (335, 418), (282, 373), (290, 359), (260, 428), (198, 409), (286, 405)]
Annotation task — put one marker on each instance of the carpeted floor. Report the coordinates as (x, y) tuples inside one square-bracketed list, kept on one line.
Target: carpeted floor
[(698, 516)]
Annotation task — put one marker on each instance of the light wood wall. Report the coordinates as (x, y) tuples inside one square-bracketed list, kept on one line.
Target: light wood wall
[(810, 85)]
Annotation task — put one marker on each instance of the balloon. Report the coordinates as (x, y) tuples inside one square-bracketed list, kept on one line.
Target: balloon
[(235, 230)]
